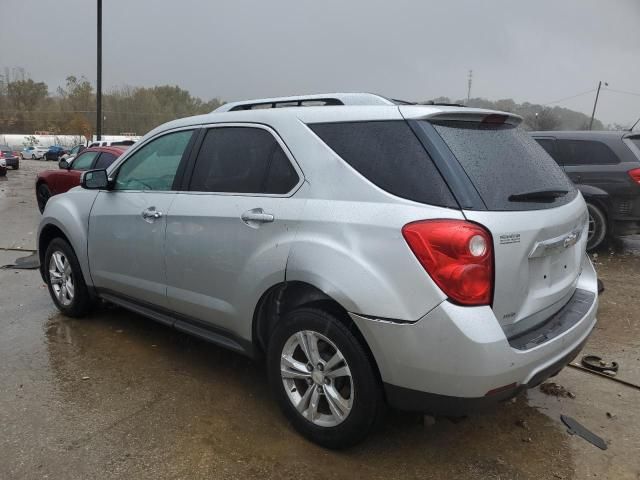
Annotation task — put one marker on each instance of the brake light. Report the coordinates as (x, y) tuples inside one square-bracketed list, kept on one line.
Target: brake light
[(495, 119), (458, 255), (1, 155), (635, 175)]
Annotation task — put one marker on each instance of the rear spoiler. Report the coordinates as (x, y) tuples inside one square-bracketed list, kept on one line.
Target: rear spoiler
[(474, 115)]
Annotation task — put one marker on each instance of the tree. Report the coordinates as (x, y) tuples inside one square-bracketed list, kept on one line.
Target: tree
[(26, 94)]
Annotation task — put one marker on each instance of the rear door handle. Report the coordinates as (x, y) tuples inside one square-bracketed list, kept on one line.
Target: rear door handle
[(255, 217)]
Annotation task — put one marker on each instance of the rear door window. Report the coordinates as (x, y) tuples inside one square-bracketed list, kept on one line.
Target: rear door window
[(584, 152), (242, 160), (502, 160), (389, 155)]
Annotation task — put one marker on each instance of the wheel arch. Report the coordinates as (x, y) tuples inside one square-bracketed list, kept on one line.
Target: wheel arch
[(284, 297)]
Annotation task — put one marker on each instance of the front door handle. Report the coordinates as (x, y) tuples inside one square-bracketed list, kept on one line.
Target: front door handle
[(255, 217), (151, 214)]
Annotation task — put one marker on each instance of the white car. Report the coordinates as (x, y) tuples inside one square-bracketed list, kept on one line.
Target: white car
[(73, 153), (33, 152)]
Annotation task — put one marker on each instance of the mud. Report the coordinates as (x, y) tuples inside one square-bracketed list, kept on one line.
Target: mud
[(119, 396)]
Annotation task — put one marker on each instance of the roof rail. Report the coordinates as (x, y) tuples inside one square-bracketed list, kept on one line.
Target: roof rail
[(320, 99)]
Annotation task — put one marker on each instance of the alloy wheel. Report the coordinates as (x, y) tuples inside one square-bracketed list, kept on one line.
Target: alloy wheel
[(61, 278), (317, 378)]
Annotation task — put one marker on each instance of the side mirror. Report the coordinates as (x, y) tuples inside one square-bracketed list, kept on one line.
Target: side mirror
[(63, 164), (95, 180)]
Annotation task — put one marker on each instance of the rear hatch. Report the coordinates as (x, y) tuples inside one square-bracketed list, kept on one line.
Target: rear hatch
[(506, 182)]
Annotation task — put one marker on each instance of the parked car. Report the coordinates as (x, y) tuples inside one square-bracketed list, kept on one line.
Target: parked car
[(55, 152), (605, 166), (10, 157), (54, 182), (3, 167), (430, 257), (113, 143), (73, 152), (34, 152)]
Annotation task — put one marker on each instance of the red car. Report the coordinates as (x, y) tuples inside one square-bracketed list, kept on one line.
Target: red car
[(54, 182)]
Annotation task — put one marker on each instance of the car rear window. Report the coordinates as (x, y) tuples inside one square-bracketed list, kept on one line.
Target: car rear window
[(503, 160), (389, 155)]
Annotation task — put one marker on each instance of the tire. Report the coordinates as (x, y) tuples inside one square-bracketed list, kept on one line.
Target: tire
[(33, 156), (597, 233), (43, 194), (359, 394), (22, 156), (72, 303)]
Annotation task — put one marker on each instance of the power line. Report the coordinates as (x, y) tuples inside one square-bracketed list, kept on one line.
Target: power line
[(570, 97), (635, 94)]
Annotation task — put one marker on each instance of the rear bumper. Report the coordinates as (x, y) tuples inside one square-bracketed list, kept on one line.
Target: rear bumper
[(450, 361), (12, 161)]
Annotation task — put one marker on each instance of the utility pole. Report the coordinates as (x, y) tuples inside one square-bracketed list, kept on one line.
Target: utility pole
[(99, 80), (595, 103), (469, 86)]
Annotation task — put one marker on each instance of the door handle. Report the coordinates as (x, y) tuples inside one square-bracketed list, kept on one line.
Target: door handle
[(150, 214), (255, 217)]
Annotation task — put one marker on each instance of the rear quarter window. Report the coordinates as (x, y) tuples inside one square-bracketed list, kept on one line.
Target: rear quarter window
[(503, 160), (584, 152), (389, 155)]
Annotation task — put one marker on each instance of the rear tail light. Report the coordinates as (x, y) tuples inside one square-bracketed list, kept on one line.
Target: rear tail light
[(635, 175), (1, 155), (458, 255)]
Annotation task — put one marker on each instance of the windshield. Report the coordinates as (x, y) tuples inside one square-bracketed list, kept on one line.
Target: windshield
[(504, 163)]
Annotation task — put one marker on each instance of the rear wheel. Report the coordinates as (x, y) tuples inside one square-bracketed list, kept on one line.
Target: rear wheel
[(33, 156), (64, 278), (43, 194), (323, 379), (597, 227)]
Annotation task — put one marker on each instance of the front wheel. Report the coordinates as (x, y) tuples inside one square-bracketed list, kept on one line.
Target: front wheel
[(597, 227), (33, 156), (64, 278), (43, 194), (323, 378)]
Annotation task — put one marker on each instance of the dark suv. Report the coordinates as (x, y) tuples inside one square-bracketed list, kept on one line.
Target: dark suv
[(605, 166)]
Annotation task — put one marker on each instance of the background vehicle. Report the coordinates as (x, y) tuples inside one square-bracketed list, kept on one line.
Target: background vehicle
[(605, 166), (34, 152), (114, 143), (73, 152), (54, 182), (10, 157), (55, 152), (433, 257)]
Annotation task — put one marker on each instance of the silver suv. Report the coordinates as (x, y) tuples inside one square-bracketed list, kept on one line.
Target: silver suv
[(431, 258)]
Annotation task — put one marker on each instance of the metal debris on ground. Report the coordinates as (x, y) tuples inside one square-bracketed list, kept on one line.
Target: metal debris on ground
[(576, 428), (30, 262), (556, 390), (594, 362)]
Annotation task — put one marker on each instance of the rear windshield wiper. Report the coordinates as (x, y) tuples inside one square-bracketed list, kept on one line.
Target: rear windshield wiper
[(538, 196)]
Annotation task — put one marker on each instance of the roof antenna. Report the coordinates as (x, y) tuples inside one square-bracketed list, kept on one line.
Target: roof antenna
[(633, 126)]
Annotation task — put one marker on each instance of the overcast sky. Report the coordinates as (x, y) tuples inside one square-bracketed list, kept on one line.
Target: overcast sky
[(536, 51)]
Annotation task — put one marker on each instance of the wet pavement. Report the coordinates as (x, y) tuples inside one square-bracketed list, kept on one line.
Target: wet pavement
[(119, 396)]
